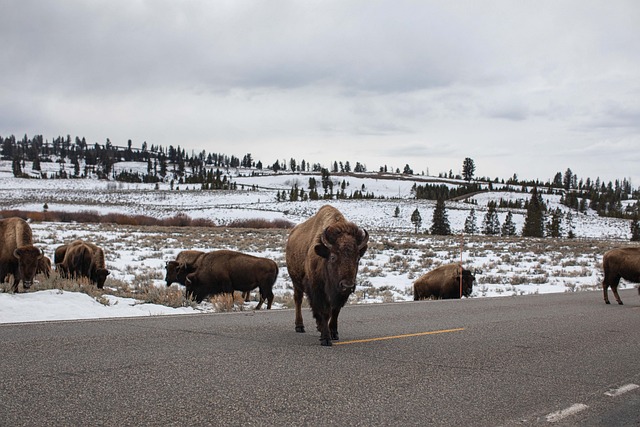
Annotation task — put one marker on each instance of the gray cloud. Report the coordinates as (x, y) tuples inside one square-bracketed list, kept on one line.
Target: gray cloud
[(503, 82)]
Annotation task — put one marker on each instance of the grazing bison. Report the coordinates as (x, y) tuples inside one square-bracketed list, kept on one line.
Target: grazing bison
[(621, 263), (322, 255), (44, 266), (184, 264), (444, 282), (226, 271), (184, 261), (18, 256), (83, 259)]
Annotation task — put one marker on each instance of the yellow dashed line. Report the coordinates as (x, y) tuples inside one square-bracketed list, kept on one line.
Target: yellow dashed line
[(394, 337)]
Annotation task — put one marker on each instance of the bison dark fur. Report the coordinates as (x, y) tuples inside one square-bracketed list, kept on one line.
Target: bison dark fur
[(83, 259), (184, 260), (18, 256), (444, 282), (322, 256), (226, 271), (620, 263)]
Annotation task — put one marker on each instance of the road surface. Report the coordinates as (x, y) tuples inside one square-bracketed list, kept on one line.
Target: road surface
[(555, 359)]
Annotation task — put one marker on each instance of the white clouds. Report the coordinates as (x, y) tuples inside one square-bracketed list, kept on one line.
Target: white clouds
[(368, 79)]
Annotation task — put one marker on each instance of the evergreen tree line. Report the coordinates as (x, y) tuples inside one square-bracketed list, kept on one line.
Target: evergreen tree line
[(539, 221), (172, 163)]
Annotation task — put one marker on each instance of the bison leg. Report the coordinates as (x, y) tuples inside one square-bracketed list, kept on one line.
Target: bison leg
[(613, 283), (614, 289), (246, 296), (322, 320), (16, 282), (333, 323), (259, 303), (265, 294), (297, 297)]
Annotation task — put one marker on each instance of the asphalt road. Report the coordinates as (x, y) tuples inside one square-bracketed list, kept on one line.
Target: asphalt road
[(558, 359)]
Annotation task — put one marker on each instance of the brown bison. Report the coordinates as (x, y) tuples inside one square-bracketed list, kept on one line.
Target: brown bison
[(18, 256), (621, 263), (444, 282), (226, 271), (322, 255), (82, 259), (184, 264), (44, 266)]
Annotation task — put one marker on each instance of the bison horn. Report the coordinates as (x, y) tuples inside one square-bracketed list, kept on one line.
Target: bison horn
[(364, 234), (16, 253), (324, 238)]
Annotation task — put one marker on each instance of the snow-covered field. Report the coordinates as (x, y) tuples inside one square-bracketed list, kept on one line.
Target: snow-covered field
[(396, 256)]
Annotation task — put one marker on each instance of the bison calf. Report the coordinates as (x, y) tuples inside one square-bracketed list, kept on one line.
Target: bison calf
[(621, 263), (444, 282)]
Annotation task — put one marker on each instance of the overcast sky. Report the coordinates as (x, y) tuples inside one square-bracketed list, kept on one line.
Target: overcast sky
[(521, 87)]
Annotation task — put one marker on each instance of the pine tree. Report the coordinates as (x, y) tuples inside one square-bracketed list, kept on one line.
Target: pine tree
[(534, 222), (491, 223), (470, 226), (468, 169), (416, 219), (554, 227), (635, 230), (570, 226), (396, 213), (508, 228), (440, 225), (17, 168)]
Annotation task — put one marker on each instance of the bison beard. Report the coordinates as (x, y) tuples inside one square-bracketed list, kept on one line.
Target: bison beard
[(322, 258)]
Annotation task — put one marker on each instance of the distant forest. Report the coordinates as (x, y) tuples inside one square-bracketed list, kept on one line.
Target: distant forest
[(79, 159)]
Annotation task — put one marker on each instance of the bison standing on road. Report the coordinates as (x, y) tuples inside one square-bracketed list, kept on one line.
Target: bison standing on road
[(82, 259), (18, 256), (444, 282), (620, 263), (322, 255), (226, 271)]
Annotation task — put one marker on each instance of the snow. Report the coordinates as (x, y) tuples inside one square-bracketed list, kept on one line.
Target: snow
[(62, 305), (396, 256)]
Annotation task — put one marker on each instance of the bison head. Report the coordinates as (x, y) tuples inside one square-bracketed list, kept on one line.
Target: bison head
[(467, 282), (341, 248), (172, 272), (100, 276), (182, 270), (28, 259)]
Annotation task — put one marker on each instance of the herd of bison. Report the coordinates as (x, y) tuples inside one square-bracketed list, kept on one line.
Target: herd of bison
[(322, 257)]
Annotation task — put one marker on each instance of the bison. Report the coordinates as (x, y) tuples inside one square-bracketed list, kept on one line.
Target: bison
[(444, 282), (227, 271), (184, 264), (18, 256), (44, 266), (322, 256), (620, 263), (83, 259)]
